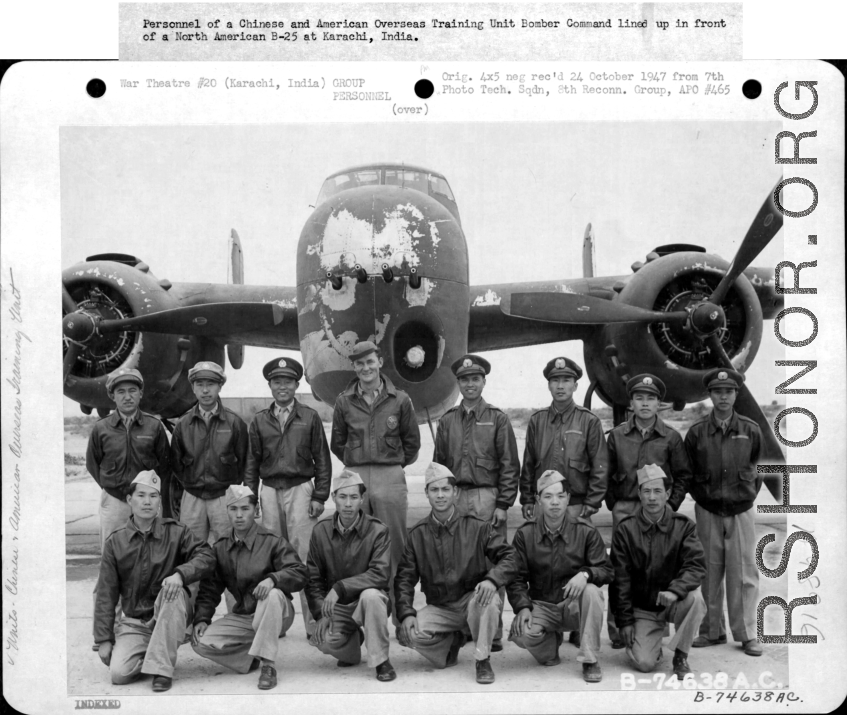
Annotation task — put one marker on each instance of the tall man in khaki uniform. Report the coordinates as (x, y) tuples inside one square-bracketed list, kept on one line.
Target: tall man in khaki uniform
[(568, 439), (659, 566), (261, 570), (120, 446), (561, 566), (147, 565), (476, 442), (349, 564), (288, 449), (452, 556), (375, 432), (643, 439), (723, 448), (209, 453)]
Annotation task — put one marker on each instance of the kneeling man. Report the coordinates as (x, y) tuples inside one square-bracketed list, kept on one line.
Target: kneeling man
[(349, 567), (561, 565), (261, 570), (659, 565), (447, 553), (147, 564)]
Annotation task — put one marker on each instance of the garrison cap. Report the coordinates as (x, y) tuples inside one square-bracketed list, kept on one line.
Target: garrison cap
[(366, 347), (562, 366), (721, 377), (470, 365), (347, 478), (649, 472), (124, 375), (646, 383), (207, 370), (148, 478), (283, 367), (435, 472), (237, 492), (549, 478)]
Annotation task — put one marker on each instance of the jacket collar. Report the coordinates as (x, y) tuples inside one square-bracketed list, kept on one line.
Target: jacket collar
[(116, 419), (477, 410), (660, 427), (553, 413), (156, 529), (359, 525), (293, 408), (732, 425), (248, 540), (387, 386), (450, 526), (217, 415), (663, 524), (541, 529)]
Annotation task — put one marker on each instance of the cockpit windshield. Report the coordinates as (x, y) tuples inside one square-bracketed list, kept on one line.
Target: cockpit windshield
[(420, 180)]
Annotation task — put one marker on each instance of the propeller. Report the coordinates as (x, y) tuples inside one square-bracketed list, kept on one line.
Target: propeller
[(205, 320), (584, 309)]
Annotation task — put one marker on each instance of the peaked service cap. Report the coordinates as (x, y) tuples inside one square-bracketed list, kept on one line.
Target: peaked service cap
[(562, 366), (283, 367), (207, 370), (124, 375), (470, 365), (646, 383)]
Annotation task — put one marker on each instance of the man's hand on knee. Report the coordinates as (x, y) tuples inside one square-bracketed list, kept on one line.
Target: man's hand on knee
[(323, 628), (263, 589), (627, 634), (408, 629), (522, 622), (199, 630), (105, 652), (171, 586), (485, 591), (329, 603)]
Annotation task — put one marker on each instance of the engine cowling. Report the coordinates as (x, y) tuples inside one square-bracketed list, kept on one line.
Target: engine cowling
[(675, 353), (117, 287)]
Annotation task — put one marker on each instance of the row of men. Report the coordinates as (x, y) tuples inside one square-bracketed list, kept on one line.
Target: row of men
[(284, 458), (552, 572)]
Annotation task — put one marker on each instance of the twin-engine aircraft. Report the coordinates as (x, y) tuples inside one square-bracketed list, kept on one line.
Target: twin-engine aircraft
[(383, 257)]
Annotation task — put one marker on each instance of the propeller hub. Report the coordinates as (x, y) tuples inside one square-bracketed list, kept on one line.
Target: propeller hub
[(78, 326), (707, 318)]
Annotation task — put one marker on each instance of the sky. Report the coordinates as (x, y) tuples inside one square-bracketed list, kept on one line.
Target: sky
[(171, 195)]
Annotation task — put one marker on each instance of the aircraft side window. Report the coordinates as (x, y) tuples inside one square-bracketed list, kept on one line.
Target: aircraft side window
[(437, 185), (366, 178)]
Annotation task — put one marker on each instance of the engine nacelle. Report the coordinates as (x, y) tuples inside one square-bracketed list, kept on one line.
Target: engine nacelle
[(673, 352), (123, 288)]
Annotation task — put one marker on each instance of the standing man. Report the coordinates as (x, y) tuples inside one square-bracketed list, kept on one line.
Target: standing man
[(561, 565), (659, 566), (643, 439), (122, 445), (452, 556), (375, 432), (568, 439), (288, 449), (209, 453), (147, 565), (349, 563), (723, 448), (476, 442), (261, 570)]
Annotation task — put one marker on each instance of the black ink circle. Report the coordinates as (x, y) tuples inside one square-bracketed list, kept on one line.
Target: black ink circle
[(752, 88), (96, 88), (424, 88)]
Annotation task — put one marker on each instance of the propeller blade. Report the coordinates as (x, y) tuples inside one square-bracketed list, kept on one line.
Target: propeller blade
[(208, 319), (68, 303), (746, 404), (584, 309), (70, 358), (764, 227)]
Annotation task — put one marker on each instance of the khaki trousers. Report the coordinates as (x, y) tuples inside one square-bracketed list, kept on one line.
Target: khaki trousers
[(620, 511), (437, 624), (235, 640), (730, 546), (369, 612), (481, 503), (649, 628), (150, 646), (285, 512), (548, 619)]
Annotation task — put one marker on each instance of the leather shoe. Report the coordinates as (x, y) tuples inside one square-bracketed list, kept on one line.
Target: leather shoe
[(161, 683), (453, 653), (496, 646), (618, 644), (591, 672), (752, 647), (573, 637), (267, 679), (484, 673), (385, 672), (344, 664), (95, 647), (703, 642), (680, 664), (555, 660)]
